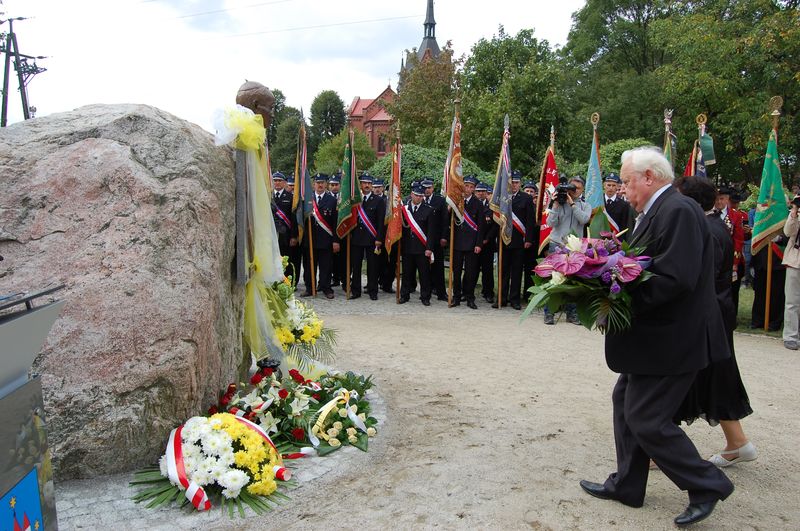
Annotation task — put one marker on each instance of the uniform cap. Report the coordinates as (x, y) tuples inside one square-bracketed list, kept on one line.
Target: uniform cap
[(365, 178), (418, 190), (471, 179), (321, 178), (427, 182), (278, 176), (612, 177), (481, 187), (335, 179)]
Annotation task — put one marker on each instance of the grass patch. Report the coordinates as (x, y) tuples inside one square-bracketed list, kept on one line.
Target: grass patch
[(743, 319)]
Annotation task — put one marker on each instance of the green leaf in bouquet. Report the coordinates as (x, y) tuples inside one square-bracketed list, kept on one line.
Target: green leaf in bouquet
[(326, 449), (586, 315), (362, 442)]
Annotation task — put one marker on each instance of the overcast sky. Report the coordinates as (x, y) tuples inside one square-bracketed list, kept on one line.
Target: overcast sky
[(189, 57)]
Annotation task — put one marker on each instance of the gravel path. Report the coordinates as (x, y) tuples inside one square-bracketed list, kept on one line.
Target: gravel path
[(490, 424)]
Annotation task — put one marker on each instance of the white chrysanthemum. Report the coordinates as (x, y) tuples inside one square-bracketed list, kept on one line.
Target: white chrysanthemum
[(227, 458), (191, 464), (233, 481), (201, 477), (162, 465), (216, 442)]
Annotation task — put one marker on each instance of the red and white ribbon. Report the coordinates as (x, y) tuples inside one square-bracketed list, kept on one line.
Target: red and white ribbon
[(177, 472), (414, 226), (305, 451), (321, 220), (519, 226), (470, 221)]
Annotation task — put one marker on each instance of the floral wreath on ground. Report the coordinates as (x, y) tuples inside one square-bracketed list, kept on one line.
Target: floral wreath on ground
[(235, 456)]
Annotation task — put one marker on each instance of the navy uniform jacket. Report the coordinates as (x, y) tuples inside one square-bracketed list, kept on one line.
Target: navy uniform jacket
[(522, 206), (375, 208), (283, 202), (465, 237), (622, 213), (327, 207), (677, 325), (425, 218), (441, 221), (490, 230)]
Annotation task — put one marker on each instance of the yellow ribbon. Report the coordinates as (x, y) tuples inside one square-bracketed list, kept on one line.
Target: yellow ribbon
[(252, 133), (344, 397)]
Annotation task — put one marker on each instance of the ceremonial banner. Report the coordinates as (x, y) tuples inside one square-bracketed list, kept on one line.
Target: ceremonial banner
[(453, 180), (601, 221), (771, 209), (501, 196), (548, 180), (350, 193), (394, 228), (303, 197), (695, 166)]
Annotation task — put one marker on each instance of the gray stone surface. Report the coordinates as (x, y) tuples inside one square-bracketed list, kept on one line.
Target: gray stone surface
[(132, 209)]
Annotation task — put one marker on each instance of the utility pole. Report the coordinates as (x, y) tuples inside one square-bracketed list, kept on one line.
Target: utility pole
[(24, 65)]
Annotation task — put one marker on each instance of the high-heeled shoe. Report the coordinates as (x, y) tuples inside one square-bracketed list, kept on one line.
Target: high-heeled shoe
[(729, 457)]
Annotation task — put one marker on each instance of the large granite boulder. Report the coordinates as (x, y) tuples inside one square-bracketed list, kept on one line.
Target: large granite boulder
[(133, 209)]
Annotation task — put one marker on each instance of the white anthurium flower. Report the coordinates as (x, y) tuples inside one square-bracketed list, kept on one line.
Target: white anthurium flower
[(574, 243), (557, 278)]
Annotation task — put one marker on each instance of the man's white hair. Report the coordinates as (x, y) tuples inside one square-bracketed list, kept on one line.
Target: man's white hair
[(649, 158)]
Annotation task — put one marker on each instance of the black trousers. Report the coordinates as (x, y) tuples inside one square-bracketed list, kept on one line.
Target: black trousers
[(413, 265), (528, 263), (644, 430), (357, 255), (437, 271), (486, 264), (466, 261), (512, 274), (388, 267), (295, 262), (322, 265), (777, 298)]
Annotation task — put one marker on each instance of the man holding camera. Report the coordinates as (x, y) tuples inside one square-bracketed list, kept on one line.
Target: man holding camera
[(791, 259), (567, 214)]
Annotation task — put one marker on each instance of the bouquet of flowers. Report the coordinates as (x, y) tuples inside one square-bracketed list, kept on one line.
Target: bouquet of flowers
[(594, 274), (221, 456), (298, 413)]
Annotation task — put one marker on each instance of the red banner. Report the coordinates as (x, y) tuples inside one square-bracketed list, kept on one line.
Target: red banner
[(547, 184)]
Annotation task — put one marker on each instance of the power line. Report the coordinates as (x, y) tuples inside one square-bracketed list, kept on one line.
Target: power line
[(323, 26), (234, 8)]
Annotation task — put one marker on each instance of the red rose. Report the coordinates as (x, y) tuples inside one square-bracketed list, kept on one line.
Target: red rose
[(231, 388), (225, 400), (266, 371), (315, 396), (283, 393), (299, 434), (213, 410), (296, 376), (256, 378)]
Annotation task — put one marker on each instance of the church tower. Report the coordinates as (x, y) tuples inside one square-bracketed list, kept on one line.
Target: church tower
[(429, 47)]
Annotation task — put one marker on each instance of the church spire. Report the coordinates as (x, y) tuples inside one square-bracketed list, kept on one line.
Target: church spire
[(430, 23)]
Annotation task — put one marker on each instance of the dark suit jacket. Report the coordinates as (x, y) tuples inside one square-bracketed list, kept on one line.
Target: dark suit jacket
[(623, 214), (425, 218), (375, 208), (522, 206), (327, 207), (441, 219), (465, 237), (723, 269), (283, 202), (677, 325), (490, 230)]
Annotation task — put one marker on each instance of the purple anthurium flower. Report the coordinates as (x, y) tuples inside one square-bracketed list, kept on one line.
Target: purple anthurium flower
[(566, 264), (629, 269)]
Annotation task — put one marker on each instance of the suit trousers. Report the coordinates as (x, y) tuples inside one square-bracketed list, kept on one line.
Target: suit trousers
[(643, 429), (322, 265), (357, 255), (512, 274), (388, 268), (295, 262), (791, 313), (413, 265), (486, 260), (466, 261), (437, 271)]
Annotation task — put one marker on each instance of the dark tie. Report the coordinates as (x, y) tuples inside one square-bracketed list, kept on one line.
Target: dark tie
[(414, 210), (609, 202), (318, 198)]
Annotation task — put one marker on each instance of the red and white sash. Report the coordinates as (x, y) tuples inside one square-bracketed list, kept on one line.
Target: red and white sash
[(470, 221), (414, 226), (177, 472), (283, 217), (362, 215), (519, 226), (321, 220)]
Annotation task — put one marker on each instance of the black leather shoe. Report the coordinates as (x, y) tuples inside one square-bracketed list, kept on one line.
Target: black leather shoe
[(426, 302), (694, 513), (388, 290), (599, 491), (403, 300), (515, 305), (354, 296), (373, 296), (441, 297), (306, 294), (329, 294), (487, 298), (455, 303), (472, 305)]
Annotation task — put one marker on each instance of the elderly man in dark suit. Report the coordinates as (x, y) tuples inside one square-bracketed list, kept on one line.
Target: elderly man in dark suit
[(677, 330)]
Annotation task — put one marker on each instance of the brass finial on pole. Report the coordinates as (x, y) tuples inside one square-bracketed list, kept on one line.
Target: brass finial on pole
[(775, 103), (595, 119), (552, 137), (457, 103)]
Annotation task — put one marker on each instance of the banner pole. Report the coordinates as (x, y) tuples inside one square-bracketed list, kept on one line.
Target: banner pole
[(769, 287), (311, 259), (500, 272), (450, 273), (397, 270), (348, 267)]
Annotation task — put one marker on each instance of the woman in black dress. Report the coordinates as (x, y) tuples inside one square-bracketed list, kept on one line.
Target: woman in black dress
[(718, 394)]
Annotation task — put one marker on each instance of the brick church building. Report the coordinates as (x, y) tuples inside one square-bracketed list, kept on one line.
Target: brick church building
[(369, 115)]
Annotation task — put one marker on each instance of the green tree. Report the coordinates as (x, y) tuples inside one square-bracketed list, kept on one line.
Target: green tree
[(424, 103), (280, 112), (420, 162), (331, 153), (284, 152), (327, 118), (519, 76)]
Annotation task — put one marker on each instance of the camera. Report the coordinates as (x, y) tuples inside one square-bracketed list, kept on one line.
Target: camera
[(796, 201), (564, 187)]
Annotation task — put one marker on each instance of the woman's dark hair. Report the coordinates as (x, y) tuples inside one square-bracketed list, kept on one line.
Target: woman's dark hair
[(698, 188)]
